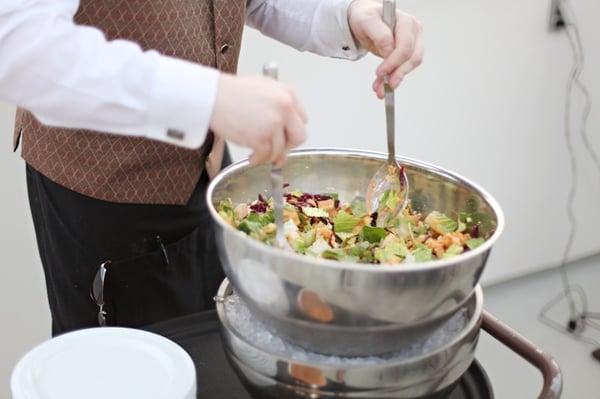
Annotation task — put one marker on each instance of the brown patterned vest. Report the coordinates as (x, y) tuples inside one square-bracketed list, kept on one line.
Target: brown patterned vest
[(136, 170)]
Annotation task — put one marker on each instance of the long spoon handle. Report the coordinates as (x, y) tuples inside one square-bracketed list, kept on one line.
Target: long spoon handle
[(271, 70), (389, 17)]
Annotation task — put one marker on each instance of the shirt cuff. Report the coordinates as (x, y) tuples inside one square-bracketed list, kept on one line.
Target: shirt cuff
[(181, 102), (333, 31)]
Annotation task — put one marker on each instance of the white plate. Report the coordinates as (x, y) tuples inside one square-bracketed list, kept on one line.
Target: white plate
[(102, 363)]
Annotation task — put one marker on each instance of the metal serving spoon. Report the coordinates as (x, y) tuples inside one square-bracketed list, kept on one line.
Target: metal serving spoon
[(271, 70), (390, 176)]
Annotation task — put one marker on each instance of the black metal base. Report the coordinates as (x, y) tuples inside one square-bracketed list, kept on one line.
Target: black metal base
[(199, 335)]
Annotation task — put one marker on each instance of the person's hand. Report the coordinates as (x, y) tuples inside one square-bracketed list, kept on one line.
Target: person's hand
[(401, 52), (259, 113)]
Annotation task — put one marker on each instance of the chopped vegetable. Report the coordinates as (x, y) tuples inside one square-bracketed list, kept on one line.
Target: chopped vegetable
[(344, 222), (392, 250), (440, 223), (338, 254), (345, 236), (314, 212), (422, 253), (475, 242), (263, 218), (322, 226), (373, 234), (249, 227), (226, 211), (327, 205), (387, 209), (318, 247), (389, 199), (453, 250)]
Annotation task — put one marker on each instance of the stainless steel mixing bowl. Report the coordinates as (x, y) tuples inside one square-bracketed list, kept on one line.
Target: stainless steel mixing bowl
[(269, 374), (370, 308)]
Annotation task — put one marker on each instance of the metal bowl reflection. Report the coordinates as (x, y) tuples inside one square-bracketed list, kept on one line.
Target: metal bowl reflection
[(346, 308)]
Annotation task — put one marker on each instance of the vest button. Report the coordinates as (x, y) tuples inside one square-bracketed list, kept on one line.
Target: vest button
[(225, 49)]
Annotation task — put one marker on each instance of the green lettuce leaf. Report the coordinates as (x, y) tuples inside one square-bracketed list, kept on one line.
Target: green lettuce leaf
[(452, 251), (339, 255), (303, 241), (474, 242), (314, 212), (422, 253), (462, 226), (226, 210), (344, 222), (289, 207), (389, 200), (393, 250), (309, 236), (440, 223), (419, 230), (398, 247), (335, 254), (359, 248), (249, 227), (362, 252), (261, 218), (225, 204), (345, 236), (299, 245), (372, 234), (254, 223)]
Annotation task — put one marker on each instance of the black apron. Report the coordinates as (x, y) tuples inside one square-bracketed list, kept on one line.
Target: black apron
[(161, 260)]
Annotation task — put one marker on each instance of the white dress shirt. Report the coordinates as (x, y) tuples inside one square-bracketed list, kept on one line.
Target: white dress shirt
[(69, 75)]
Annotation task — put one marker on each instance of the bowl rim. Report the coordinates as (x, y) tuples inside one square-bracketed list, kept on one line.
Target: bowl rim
[(362, 267), (472, 325)]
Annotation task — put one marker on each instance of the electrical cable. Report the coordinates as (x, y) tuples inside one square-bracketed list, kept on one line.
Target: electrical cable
[(576, 45), (578, 320), (574, 184)]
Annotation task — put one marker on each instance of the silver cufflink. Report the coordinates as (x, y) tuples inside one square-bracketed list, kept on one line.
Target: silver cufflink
[(175, 134)]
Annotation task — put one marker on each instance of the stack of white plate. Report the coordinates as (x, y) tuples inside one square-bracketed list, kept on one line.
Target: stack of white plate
[(101, 363)]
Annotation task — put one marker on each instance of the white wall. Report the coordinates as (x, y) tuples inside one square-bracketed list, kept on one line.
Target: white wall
[(487, 103)]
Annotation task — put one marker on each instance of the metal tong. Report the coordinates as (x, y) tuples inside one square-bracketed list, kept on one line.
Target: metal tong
[(271, 70)]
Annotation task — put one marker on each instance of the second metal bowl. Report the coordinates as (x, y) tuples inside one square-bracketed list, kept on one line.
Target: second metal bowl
[(272, 372)]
